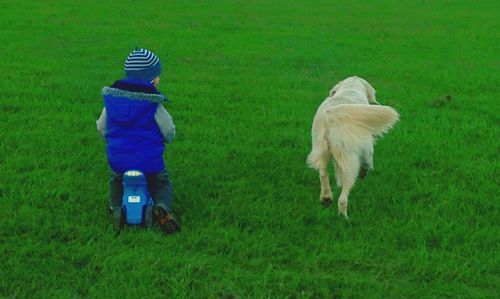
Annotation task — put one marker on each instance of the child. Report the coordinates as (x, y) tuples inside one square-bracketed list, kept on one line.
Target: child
[(136, 125)]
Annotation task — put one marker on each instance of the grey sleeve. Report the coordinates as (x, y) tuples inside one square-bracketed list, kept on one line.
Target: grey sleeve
[(101, 124), (165, 123)]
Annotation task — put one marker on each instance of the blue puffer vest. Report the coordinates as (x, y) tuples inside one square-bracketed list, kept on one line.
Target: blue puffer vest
[(133, 138)]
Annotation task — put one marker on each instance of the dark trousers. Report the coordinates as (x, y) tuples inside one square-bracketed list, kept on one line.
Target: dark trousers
[(159, 188)]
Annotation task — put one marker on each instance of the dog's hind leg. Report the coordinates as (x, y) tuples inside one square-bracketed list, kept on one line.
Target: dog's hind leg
[(338, 173), (349, 164), (367, 163), (324, 177)]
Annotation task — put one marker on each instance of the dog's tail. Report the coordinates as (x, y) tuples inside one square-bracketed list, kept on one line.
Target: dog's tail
[(351, 126)]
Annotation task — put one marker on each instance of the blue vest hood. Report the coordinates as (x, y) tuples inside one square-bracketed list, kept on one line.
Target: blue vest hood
[(133, 139)]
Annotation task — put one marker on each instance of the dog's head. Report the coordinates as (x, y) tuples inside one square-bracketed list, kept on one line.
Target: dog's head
[(335, 88), (370, 91)]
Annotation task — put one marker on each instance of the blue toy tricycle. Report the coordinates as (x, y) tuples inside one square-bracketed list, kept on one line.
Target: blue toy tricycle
[(137, 204)]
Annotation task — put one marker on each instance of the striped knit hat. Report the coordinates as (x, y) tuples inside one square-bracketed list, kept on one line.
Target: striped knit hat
[(142, 64)]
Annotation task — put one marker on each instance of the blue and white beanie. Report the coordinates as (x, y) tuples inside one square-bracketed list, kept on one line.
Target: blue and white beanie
[(142, 64)]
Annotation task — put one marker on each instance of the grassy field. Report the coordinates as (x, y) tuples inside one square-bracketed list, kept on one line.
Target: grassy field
[(245, 79)]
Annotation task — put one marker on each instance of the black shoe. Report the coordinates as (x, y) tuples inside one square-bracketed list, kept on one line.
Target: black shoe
[(117, 215), (167, 223)]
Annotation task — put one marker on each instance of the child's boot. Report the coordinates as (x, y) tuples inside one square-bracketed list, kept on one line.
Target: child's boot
[(167, 223)]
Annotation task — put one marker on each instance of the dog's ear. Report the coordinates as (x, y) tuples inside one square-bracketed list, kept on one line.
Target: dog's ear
[(370, 92), (335, 88)]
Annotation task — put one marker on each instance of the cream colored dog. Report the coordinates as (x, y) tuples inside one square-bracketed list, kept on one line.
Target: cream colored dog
[(344, 127)]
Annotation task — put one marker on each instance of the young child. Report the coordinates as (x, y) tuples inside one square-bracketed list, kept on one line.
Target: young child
[(136, 127)]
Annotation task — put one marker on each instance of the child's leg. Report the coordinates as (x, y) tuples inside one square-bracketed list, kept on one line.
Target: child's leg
[(115, 189), (160, 189), (115, 198)]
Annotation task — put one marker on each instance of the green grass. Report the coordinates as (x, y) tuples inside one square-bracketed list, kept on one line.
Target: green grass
[(245, 79)]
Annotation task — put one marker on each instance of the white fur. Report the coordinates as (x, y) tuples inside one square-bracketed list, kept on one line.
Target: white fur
[(344, 128)]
